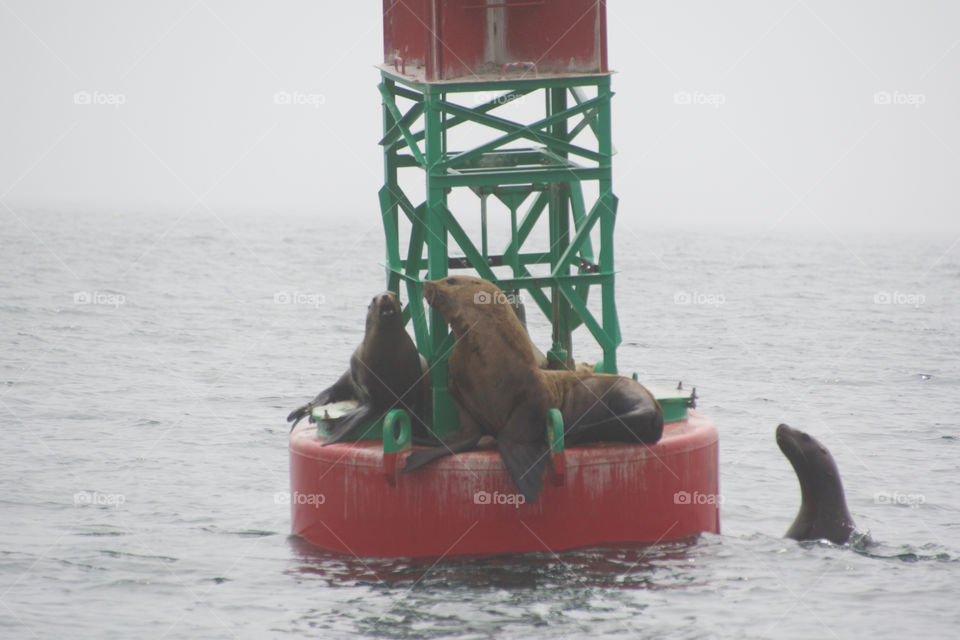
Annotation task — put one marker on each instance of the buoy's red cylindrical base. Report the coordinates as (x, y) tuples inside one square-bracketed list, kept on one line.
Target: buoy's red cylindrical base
[(467, 504)]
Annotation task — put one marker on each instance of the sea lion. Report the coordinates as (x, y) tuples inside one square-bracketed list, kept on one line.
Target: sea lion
[(500, 391), (823, 508), (386, 372), (601, 407)]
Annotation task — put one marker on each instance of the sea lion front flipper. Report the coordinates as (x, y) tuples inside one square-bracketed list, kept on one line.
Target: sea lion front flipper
[(342, 389), (523, 447), (346, 426), (526, 463)]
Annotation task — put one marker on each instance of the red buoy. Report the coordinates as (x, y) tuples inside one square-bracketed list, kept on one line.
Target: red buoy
[(351, 497)]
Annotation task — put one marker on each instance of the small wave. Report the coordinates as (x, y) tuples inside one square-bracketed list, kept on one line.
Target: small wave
[(110, 533), (907, 553), (240, 532), (138, 556)]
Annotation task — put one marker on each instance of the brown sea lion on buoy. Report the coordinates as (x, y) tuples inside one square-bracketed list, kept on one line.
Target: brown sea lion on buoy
[(500, 391), (386, 372)]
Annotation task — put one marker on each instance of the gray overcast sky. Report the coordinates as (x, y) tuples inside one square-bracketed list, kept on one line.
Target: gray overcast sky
[(799, 138)]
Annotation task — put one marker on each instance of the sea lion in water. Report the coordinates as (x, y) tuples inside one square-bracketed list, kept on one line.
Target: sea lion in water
[(500, 391), (823, 509), (386, 372)]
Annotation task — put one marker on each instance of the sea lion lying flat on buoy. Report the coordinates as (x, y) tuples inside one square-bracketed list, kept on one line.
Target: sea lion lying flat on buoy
[(386, 372), (500, 391), (601, 407), (823, 510)]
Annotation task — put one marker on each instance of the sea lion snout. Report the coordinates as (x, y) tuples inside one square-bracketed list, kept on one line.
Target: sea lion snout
[(387, 303), (787, 440), (429, 290), (783, 432), (436, 296), (793, 441)]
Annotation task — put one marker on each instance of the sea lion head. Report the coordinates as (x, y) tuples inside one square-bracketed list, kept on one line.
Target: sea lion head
[(384, 311), (457, 297), (810, 459)]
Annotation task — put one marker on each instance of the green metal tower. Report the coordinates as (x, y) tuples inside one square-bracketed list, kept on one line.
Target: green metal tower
[(545, 175)]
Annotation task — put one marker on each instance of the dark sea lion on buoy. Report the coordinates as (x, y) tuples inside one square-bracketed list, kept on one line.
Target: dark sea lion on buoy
[(500, 391), (823, 508), (386, 372), (601, 407)]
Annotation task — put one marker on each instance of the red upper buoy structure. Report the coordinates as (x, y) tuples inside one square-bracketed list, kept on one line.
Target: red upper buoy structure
[(505, 104)]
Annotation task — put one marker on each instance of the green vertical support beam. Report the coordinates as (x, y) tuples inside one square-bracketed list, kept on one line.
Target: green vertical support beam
[(444, 412), (579, 214), (390, 213), (559, 235), (414, 287), (607, 219)]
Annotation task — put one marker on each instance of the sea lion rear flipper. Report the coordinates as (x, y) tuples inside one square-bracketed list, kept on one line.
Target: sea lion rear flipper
[(526, 463), (297, 415), (643, 425), (342, 389), (359, 418)]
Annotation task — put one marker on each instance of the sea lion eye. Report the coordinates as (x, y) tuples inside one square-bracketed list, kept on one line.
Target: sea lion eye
[(452, 281)]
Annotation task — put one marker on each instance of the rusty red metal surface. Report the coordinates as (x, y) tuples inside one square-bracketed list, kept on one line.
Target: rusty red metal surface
[(462, 39), (467, 504)]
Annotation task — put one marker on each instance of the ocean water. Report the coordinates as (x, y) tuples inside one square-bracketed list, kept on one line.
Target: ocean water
[(147, 362)]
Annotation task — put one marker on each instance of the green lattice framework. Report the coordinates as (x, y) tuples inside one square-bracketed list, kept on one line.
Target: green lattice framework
[(545, 176)]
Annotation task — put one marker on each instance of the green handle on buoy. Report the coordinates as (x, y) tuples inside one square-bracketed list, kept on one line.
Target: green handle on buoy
[(392, 444), (555, 430)]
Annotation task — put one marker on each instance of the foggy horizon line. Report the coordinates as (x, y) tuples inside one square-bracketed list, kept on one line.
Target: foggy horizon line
[(757, 222)]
